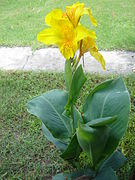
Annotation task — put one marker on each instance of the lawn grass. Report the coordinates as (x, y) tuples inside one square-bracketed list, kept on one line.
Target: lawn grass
[(21, 20), (24, 151)]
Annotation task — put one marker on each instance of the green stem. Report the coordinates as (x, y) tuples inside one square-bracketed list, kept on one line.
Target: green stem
[(75, 66), (73, 126)]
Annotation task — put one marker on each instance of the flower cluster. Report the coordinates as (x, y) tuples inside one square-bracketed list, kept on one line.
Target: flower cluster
[(66, 31)]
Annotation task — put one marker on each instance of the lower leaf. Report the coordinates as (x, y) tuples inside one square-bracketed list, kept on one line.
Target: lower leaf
[(106, 174), (84, 173), (92, 140), (115, 161), (58, 143), (73, 150)]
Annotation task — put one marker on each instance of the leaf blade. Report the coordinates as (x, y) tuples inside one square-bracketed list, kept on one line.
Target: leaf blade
[(49, 108), (92, 140), (102, 121), (73, 150), (110, 98), (59, 144)]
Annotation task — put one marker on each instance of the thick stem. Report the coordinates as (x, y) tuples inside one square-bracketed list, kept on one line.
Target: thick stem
[(73, 125), (77, 62), (68, 74)]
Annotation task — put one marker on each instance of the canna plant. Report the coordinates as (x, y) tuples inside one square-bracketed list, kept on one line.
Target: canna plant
[(98, 128)]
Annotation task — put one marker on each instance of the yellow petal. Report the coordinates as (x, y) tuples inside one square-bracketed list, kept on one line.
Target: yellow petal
[(48, 36), (87, 44), (83, 32), (68, 50), (74, 13), (89, 13), (68, 46), (53, 16), (94, 52)]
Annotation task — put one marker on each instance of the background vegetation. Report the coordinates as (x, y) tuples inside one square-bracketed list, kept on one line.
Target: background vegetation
[(21, 20), (24, 151)]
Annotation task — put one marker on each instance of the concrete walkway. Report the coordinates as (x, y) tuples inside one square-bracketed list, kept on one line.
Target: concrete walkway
[(50, 59)]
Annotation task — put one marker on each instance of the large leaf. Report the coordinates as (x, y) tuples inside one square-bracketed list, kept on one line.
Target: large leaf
[(57, 127), (78, 81), (58, 143), (106, 174), (73, 150), (74, 175), (60, 176), (49, 108), (92, 140), (115, 161), (110, 98), (102, 121)]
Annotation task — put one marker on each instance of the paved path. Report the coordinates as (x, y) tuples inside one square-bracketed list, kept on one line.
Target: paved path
[(50, 59)]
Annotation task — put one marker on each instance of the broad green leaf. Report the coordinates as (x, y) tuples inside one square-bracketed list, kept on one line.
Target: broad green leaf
[(115, 161), (106, 174), (86, 172), (68, 74), (74, 175), (78, 81), (109, 99), (57, 128), (59, 177), (102, 121), (49, 108), (92, 140), (58, 143), (77, 117), (73, 150)]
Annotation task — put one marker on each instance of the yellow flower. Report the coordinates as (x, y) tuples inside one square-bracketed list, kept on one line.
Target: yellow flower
[(62, 33), (66, 32), (88, 44), (76, 11)]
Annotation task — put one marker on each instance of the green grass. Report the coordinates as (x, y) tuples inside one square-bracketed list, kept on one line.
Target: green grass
[(24, 151), (21, 20)]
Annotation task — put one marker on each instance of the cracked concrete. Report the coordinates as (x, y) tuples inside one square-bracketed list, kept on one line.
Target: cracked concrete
[(50, 59)]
